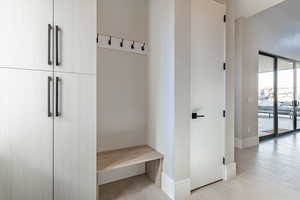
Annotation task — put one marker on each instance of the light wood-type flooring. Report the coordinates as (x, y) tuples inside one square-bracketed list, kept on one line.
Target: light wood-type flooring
[(268, 172)]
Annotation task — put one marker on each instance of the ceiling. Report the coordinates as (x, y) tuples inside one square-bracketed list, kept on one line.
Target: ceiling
[(247, 8)]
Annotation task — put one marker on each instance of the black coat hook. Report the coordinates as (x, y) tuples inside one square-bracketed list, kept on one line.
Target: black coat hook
[(109, 41), (143, 46), (132, 45), (122, 43)]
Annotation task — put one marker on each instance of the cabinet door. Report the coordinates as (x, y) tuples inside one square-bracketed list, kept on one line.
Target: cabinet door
[(75, 137), (75, 37), (26, 136), (24, 34)]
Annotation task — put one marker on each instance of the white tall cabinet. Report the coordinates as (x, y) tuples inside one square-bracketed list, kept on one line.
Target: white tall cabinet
[(26, 136), (48, 100), (75, 138), (76, 20), (24, 33)]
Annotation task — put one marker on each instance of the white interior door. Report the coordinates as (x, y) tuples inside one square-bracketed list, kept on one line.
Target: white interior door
[(77, 33), (24, 33), (207, 91), (26, 135), (75, 137)]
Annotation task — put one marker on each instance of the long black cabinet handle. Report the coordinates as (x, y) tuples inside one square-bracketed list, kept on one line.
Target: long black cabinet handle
[(57, 30), (57, 113), (49, 96), (49, 44)]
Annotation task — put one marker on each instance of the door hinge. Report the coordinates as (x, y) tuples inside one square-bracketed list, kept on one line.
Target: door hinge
[(97, 39), (224, 161), (224, 19), (224, 113), (224, 66)]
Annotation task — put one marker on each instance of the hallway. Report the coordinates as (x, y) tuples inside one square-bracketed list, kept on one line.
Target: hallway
[(270, 171)]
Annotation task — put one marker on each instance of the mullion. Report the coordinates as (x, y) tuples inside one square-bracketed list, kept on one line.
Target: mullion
[(295, 96), (276, 133)]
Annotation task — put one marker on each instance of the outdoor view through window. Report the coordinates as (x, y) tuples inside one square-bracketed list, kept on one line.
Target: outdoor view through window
[(287, 108), (266, 96)]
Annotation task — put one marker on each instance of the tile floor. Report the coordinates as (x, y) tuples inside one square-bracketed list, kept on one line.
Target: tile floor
[(268, 172), (136, 188)]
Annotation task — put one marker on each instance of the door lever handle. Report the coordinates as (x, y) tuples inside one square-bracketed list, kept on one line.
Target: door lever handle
[(196, 116)]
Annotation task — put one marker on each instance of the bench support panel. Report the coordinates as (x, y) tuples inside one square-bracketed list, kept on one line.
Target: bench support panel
[(154, 171)]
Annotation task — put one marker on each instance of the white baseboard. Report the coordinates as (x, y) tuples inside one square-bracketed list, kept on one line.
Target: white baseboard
[(180, 190), (229, 171), (167, 185), (119, 174), (246, 143)]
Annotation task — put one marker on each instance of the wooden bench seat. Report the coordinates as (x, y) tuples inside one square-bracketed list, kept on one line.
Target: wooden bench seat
[(132, 156)]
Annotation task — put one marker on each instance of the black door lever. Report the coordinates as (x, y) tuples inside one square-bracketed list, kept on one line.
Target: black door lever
[(196, 116)]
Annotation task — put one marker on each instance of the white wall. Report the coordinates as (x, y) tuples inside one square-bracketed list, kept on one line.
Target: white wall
[(182, 89), (235, 10), (161, 79), (276, 31), (169, 91), (122, 82), (246, 8), (122, 86)]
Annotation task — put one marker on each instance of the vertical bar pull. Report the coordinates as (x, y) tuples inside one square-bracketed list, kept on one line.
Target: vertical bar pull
[(57, 30), (49, 96), (49, 44), (57, 113)]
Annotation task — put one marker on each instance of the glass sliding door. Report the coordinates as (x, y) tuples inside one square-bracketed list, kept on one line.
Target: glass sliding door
[(266, 96), (285, 95), (278, 95)]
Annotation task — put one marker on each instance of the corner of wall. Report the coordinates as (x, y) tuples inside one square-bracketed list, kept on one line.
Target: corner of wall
[(180, 190), (246, 143)]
